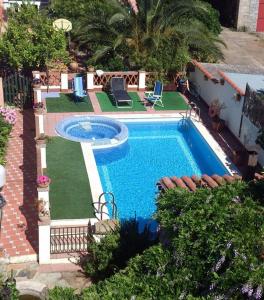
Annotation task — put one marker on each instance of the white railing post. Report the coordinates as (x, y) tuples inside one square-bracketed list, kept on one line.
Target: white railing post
[(44, 242), (43, 194), (64, 82), (141, 80), (90, 81), (39, 123)]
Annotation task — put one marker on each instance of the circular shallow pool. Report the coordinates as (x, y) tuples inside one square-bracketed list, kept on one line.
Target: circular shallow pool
[(101, 132)]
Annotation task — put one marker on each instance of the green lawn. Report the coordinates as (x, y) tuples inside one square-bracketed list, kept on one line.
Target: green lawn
[(172, 101), (67, 103), (109, 106), (70, 194)]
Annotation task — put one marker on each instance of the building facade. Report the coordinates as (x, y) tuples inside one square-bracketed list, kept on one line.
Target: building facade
[(251, 15)]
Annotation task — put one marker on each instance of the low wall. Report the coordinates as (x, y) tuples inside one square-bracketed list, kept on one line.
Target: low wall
[(210, 90), (62, 81)]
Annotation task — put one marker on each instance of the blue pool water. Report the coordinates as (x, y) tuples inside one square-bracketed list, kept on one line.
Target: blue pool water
[(153, 150)]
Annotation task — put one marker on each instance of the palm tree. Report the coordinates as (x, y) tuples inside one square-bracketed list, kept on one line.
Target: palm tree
[(156, 33)]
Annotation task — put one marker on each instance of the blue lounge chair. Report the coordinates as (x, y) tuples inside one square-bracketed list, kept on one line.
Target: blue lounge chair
[(78, 90), (155, 97)]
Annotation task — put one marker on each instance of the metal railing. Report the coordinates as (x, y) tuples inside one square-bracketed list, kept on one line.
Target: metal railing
[(69, 239), (100, 206), (193, 108)]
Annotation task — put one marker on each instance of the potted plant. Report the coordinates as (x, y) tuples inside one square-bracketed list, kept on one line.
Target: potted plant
[(90, 68), (74, 66), (214, 112), (39, 107), (41, 139), (43, 181), (43, 213)]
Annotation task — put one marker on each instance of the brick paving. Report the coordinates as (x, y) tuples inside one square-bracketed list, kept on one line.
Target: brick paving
[(19, 235)]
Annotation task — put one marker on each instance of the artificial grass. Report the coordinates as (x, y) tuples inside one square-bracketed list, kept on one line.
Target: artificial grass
[(172, 101), (70, 194), (108, 105), (67, 103)]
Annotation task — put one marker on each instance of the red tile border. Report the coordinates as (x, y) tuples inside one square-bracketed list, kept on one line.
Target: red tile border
[(203, 70), (234, 86)]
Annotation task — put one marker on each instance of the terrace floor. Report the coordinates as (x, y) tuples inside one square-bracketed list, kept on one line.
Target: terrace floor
[(19, 234), (103, 105), (20, 223)]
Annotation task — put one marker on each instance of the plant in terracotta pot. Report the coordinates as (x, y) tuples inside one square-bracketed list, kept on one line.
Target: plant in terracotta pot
[(43, 181), (39, 107), (43, 213), (41, 139), (90, 68), (73, 66), (214, 112)]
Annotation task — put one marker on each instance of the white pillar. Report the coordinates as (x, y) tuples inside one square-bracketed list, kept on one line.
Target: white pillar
[(141, 80), (43, 194), (44, 242), (36, 74), (64, 81), (90, 81), (41, 123), (38, 95), (43, 156)]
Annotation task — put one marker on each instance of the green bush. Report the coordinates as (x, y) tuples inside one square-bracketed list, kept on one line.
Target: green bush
[(8, 290), (213, 246), (115, 249), (30, 41), (59, 293), (5, 130)]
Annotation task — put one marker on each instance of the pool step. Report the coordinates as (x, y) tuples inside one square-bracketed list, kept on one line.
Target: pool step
[(104, 226)]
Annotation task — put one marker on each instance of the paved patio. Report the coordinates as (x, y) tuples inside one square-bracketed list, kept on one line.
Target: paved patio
[(53, 118), (19, 226), (243, 48), (19, 236)]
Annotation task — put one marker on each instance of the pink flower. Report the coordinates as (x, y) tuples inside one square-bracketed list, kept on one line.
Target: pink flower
[(43, 179), (8, 114)]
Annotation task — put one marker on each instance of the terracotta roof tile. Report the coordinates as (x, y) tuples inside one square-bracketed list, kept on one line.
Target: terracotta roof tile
[(227, 79), (194, 182)]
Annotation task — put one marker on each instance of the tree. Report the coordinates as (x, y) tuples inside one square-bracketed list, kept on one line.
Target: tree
[(30, 42), (155, 37)]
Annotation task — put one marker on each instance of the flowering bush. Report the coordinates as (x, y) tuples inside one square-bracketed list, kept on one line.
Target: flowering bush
[(7, 119), (8, 114), (42, 180)]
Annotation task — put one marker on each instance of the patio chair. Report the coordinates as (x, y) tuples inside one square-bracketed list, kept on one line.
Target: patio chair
[(155, 97), (78, 90), (119, 93)]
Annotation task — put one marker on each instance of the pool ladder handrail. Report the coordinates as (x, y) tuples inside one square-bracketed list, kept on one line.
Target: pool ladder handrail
[(194, 108), (101, 206)]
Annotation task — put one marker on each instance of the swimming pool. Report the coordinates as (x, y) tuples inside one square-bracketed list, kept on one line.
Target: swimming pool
[(152, 151)]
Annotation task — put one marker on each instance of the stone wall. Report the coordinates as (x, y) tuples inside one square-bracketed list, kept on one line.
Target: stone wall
[(247, 15)]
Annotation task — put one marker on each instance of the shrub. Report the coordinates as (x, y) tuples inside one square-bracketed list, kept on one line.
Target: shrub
[(115, 249), (59, 293), (5, 129), (30, 42), (214, 249)]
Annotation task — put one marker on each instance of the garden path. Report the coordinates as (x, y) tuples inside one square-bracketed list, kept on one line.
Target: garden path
[(19, 235)]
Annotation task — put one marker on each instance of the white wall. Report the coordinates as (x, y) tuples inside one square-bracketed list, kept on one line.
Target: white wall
[(209, 91)]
